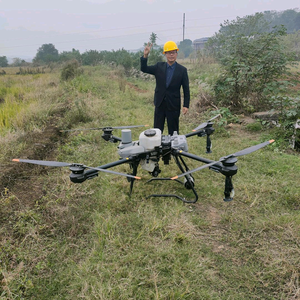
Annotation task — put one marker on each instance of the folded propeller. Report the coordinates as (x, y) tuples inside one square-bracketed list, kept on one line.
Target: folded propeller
[(203, 125), (225, 158)]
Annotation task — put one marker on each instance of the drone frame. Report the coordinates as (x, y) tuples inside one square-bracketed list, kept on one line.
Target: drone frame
[(225, 165), (166, 153)]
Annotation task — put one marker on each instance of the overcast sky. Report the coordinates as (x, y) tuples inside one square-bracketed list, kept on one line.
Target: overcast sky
[(25, 25)]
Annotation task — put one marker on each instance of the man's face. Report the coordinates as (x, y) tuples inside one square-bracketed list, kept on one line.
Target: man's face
[(171, 56)]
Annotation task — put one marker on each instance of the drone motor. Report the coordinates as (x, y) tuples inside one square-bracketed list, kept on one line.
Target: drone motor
[(77, 175)]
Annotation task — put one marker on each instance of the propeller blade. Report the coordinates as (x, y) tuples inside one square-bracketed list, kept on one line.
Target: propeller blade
[(43, 162), (239, 153), (79, 129), (108, 127), (63, 164), (214, 117), (194, 170), (113, 172), (253, 148), (203, 125), (132, 126)]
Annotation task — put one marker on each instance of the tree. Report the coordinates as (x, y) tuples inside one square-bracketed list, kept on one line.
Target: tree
[(292, 44), (289, 18), (18, 62), (3, 61), (123, 58), (91, 57), (153, 38), (46, 53), (186, 47), (70, 55), (253, 62)]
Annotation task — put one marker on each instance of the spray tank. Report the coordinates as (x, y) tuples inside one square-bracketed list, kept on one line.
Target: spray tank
[(150, 138)]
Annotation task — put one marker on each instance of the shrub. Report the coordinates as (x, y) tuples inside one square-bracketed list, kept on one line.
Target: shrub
[(253, 62), (71, 70)]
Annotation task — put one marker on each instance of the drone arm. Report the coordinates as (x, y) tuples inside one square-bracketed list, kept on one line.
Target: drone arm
[(195, 157), (111, 138), (116, 139), (199, 133)]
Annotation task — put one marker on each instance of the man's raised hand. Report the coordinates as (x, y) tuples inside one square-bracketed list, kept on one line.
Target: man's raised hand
[(147, 49)]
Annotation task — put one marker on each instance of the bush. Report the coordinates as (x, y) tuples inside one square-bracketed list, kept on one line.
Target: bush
[(71, 70), (257, 126), (253, 63)]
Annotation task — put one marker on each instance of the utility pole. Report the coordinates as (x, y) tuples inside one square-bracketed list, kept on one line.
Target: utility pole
[(183, 28)]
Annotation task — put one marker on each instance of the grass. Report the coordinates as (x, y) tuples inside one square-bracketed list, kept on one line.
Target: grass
[(26, 100), (61, 240)]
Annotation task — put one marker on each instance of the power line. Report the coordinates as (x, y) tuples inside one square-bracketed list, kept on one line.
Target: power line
[(112, 36), (98, 38), (135, 27)]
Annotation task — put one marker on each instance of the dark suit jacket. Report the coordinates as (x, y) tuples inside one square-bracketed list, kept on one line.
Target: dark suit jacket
[(171, 94)]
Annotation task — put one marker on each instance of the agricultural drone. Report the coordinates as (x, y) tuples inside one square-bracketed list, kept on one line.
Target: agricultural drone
[(147, 152)]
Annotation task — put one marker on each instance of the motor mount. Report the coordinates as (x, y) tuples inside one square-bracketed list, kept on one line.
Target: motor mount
[(77, 175)]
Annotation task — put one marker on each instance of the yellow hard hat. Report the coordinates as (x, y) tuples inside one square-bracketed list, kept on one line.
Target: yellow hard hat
[(170, 46)]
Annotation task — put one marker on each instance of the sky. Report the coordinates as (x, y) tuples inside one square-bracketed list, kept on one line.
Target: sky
[(25, 25)]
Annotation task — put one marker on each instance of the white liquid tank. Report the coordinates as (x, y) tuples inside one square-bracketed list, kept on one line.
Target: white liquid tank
[(150, 138)]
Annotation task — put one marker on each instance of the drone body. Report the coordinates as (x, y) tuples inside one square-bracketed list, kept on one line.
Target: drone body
[(152, 147), (151, 143)]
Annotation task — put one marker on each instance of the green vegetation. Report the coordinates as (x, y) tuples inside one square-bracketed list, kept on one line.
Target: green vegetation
[(70, 70), (254, 63), (255, 70), (46, 53), (3, 61), (290, 18), (185, 48), (60, 240)]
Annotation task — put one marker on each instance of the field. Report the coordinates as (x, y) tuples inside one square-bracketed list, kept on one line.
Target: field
[(60, 240)]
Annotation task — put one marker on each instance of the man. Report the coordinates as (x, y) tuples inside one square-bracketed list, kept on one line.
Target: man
[(170, 77)]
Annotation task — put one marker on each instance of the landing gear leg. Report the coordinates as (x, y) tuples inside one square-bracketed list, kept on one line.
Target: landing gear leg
[(229, 190), (131, 180)]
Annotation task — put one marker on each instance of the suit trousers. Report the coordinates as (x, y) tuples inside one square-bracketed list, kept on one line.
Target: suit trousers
[(161, 113)]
